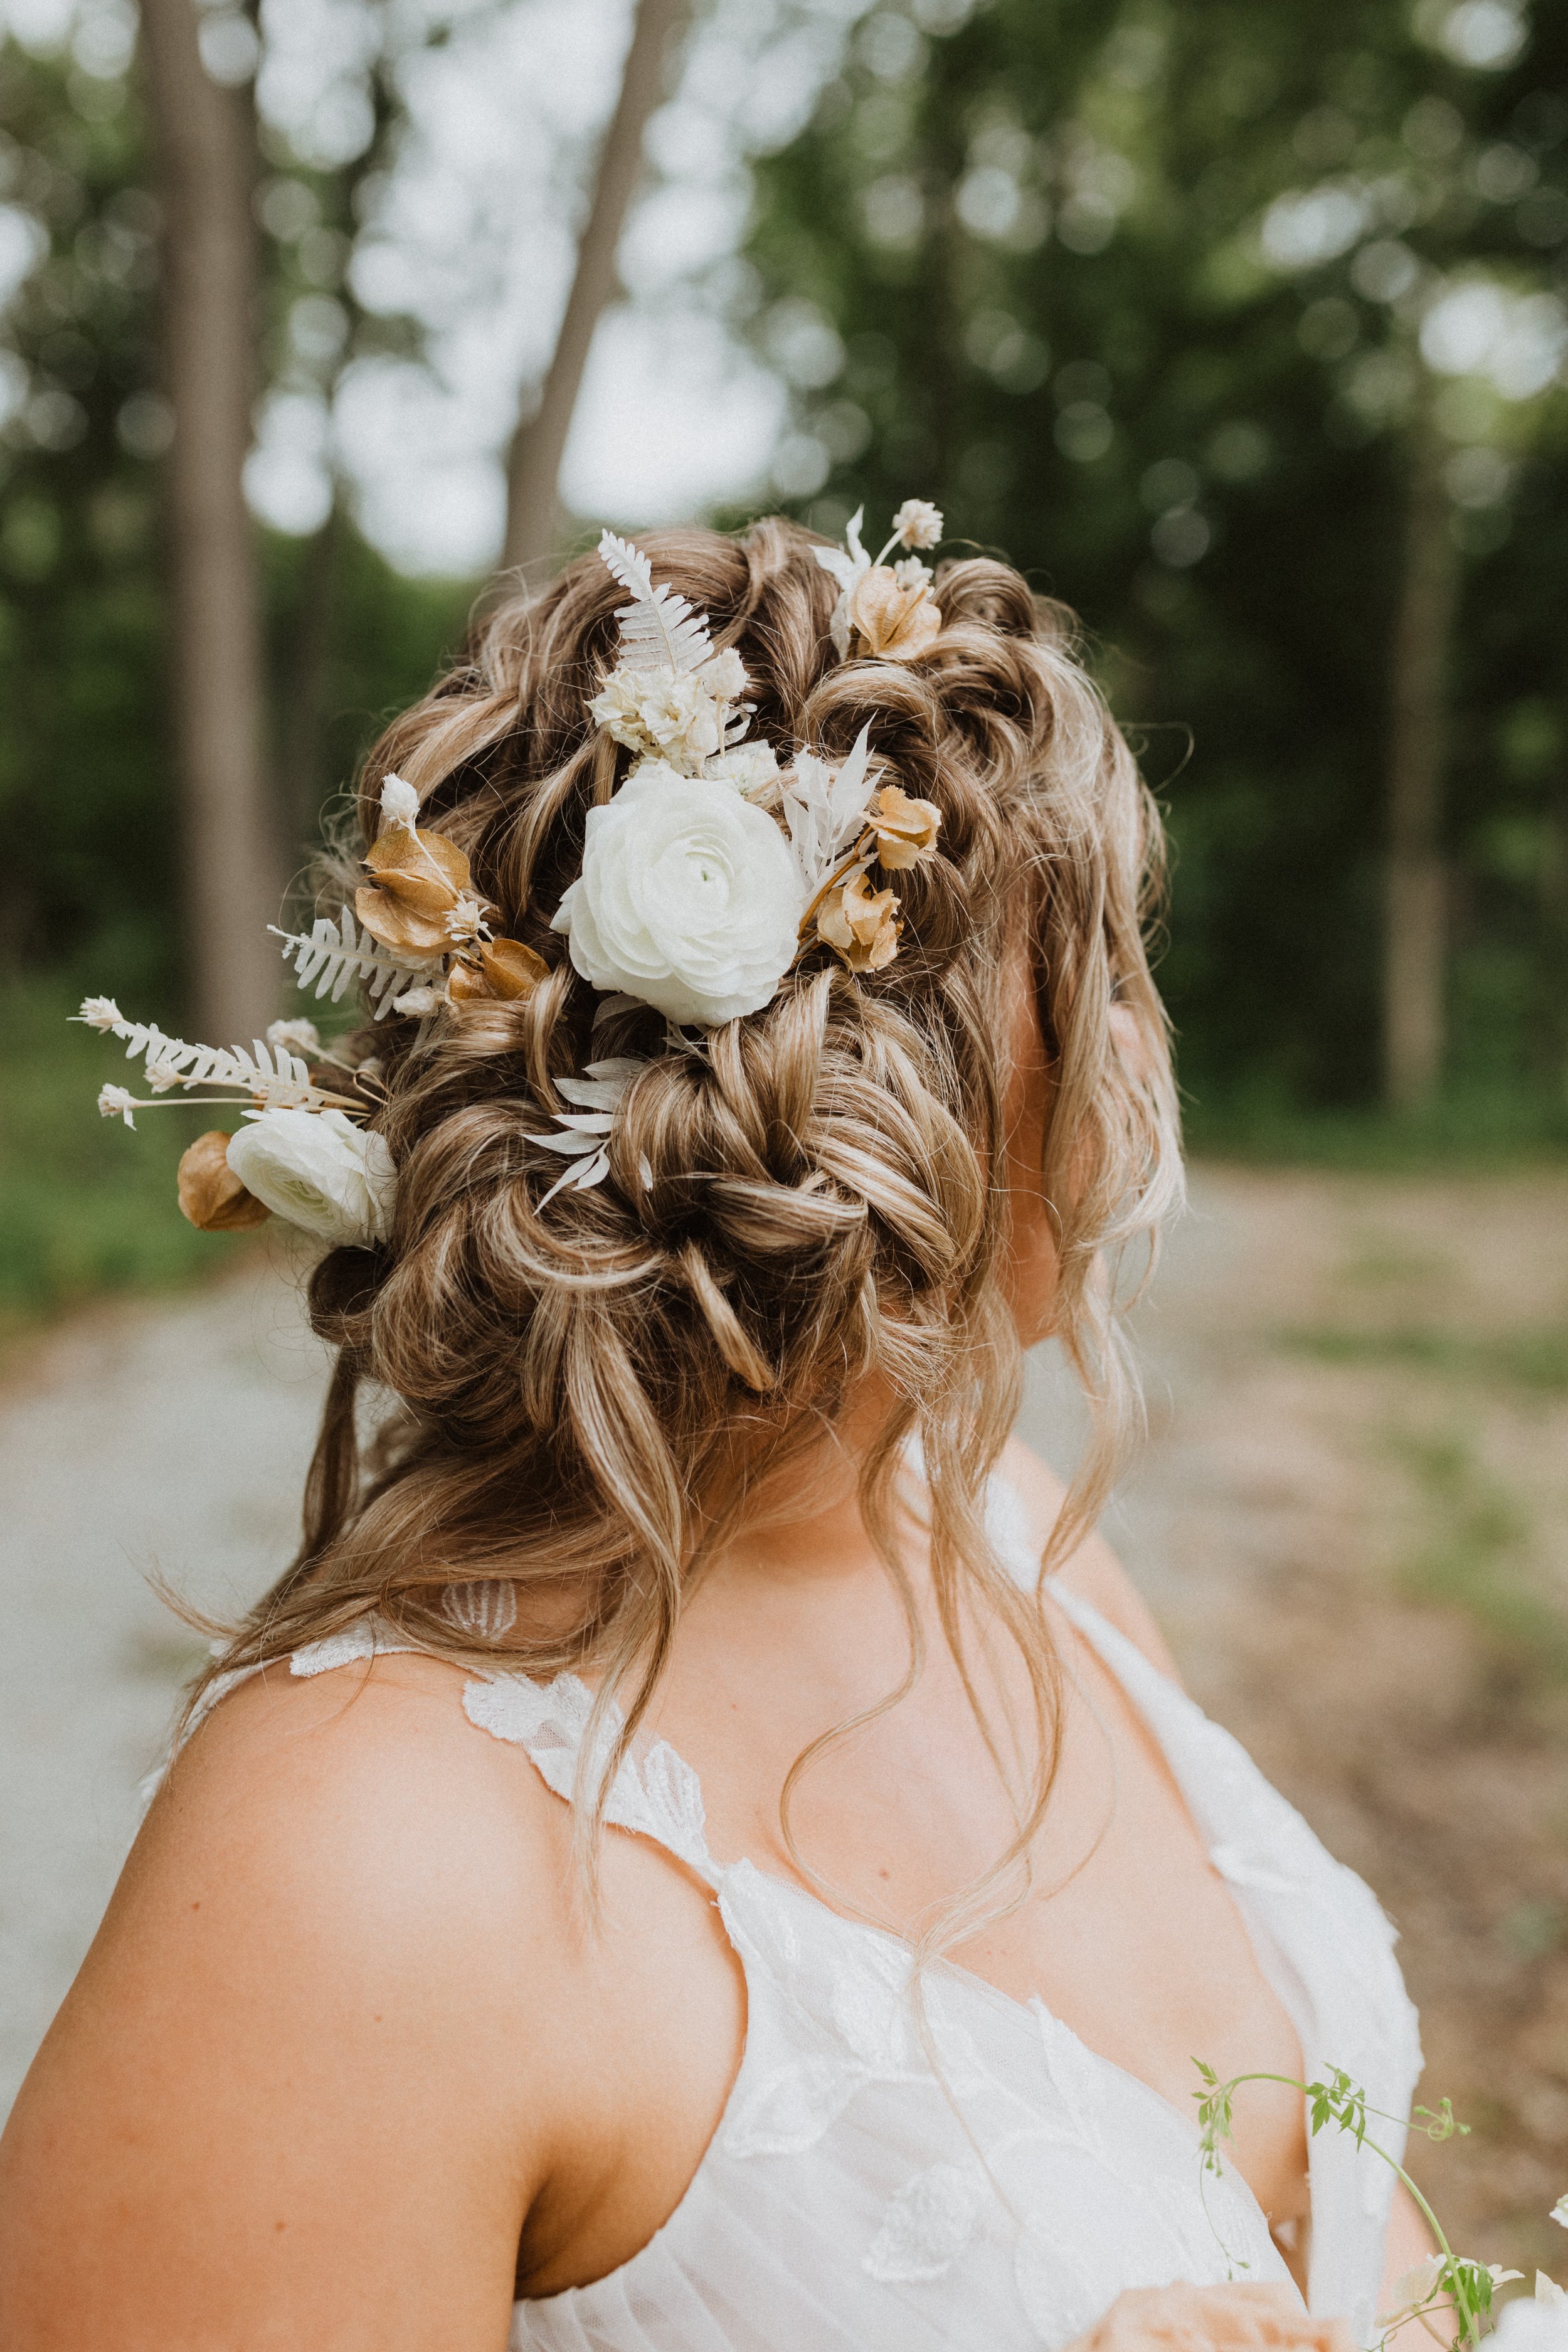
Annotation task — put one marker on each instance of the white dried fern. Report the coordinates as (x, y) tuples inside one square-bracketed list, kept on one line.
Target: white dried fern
[(584, 1137), (660, 630), (336, 952), (269, 1074)]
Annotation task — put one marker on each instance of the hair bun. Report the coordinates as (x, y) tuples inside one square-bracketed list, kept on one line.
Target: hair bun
[(342, 1293)]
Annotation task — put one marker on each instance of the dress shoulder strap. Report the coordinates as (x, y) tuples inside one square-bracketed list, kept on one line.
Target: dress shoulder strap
[(658, 1795)]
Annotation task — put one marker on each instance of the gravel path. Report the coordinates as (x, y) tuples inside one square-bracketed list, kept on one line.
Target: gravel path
[(1351, 1516), (170, 1438)]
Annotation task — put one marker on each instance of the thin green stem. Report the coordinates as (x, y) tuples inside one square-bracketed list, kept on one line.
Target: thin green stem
[(1341, 2103)]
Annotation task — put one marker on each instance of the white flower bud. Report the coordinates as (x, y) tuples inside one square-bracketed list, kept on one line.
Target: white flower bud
[(294, 1036), (399, 803)]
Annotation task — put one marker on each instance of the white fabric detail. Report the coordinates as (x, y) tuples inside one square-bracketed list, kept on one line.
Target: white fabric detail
[(358, 1641), (485, 1607), (662, 1799), (855, 2196), (928, 2224)]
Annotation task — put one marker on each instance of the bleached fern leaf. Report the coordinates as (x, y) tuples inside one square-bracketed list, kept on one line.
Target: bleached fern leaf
[(659, 629), (269, 1074), (336, 952)]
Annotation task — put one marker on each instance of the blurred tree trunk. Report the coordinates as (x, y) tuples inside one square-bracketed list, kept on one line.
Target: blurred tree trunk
[(300, 722), (1415, 924), (204, 143), (533, 467)]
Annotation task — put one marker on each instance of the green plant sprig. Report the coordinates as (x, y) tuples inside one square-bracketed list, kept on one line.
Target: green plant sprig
[(1467, 2287)]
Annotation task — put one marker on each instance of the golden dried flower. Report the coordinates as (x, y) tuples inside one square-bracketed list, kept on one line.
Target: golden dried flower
[(210, 1195), (861, 923), (906, 828), (894, 619), (506, 971), (417, 880)]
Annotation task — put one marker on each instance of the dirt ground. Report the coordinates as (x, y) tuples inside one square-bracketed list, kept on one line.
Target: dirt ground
[(1354, 1521), (1351, 1516)]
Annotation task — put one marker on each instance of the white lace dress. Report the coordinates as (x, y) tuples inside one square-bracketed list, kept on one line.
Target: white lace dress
[(853, 2198)]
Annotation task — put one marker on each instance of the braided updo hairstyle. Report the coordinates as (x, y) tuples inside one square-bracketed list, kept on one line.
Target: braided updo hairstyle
[(542, 1420)]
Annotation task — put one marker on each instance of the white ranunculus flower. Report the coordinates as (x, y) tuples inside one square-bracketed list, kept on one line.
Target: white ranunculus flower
[(690, 898), (317, 1169)]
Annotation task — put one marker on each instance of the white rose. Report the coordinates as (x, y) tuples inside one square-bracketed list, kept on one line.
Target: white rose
[(690, 898), (317, 1169)]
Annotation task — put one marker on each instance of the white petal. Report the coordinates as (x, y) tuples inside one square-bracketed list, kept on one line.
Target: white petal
[(399, 803)]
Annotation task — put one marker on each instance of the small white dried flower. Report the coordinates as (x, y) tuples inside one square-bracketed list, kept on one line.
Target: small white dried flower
[(162, 1076), (399, 803), (725, 675), (1560, 2212), (467, 920), (667, 714), (417, 1002), (752, 768), (294, 1036), (116, 1102), (99, 1012), (912, 572), (917, 523)]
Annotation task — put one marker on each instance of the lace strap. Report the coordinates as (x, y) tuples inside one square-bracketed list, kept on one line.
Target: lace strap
[(661, 1798)]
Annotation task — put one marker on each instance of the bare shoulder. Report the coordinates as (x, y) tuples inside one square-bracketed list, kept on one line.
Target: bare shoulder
[(288, 2080), (362, 1809), (1094, 1574)]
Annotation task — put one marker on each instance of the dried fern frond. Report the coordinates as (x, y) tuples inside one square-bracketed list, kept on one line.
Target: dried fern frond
[(336, 952), (660, 630), (268, 1077)]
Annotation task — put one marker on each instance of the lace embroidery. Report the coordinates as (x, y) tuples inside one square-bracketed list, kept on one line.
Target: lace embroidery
[(486, 1607), (837, 2016), (662, 1801), (927, 2225), (1010, 2193)]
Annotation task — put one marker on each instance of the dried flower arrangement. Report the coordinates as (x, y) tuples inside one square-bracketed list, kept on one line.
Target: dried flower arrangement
[(706, 877)]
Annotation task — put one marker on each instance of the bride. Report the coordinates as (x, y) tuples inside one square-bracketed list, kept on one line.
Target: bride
[(705, 1851)]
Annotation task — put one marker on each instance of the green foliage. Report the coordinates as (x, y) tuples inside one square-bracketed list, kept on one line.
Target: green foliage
[(1470, 1562), (1038, 240), (85, 1208), (1528, 1358), (1454, 2287)]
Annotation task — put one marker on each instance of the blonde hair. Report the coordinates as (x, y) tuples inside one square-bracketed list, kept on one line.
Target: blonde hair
[(809, 1197)]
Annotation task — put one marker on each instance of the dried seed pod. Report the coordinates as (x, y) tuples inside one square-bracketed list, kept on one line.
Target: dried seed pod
[(210, 1195)]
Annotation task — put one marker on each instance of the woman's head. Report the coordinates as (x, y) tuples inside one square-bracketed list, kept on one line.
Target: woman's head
[(869, 1185)]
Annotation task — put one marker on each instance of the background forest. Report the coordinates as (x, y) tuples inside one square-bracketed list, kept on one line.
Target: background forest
[(1242, 328)]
